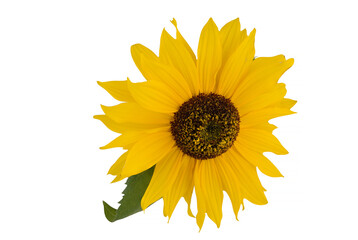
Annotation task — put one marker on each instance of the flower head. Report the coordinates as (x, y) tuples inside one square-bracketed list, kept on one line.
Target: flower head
[(201, 122)]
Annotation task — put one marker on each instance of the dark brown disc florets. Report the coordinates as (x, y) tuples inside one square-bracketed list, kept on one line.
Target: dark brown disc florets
[(205, 126)]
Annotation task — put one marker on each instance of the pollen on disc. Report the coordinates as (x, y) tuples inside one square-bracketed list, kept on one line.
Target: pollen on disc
[(205, 126)]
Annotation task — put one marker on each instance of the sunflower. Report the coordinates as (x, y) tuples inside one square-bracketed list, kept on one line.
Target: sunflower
[(201, 121)]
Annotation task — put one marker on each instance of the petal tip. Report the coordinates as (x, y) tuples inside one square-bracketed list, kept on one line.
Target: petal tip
[(165, 34), (253, 32), (211, 23), (174, 22), (290, 62), (218, 224), (103, 107)]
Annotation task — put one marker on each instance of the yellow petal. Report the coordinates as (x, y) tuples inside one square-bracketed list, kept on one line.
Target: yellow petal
[(261, 72), (125, 127), (182, 41), (263, 115), (231, 37), (117, 179), (237, 66), (259, 160), (268, 168), (173, 52), (137, 52), (133, 112), (138, 127), (116, 168), (262, 77), (266, 126), (147, 152), (230, 183), (260, 141), (155, 96), (209, 56), (187, 196), (246, 177), (167, 75), (126, 140), (164, 175), (263, 126), (287, 103), (118, 90), (262, 101), (209, 191), (182, 186), (109, 123)]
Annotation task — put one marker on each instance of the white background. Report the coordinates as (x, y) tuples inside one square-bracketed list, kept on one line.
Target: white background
[(53, 175)]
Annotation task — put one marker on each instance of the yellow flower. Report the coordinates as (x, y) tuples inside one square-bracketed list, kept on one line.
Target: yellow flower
[(201, 121)]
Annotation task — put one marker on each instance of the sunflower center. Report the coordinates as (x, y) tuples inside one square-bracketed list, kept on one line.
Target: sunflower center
[(205, 126)]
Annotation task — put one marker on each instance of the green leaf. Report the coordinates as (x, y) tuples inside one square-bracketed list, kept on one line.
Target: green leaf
[(133, 193)]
